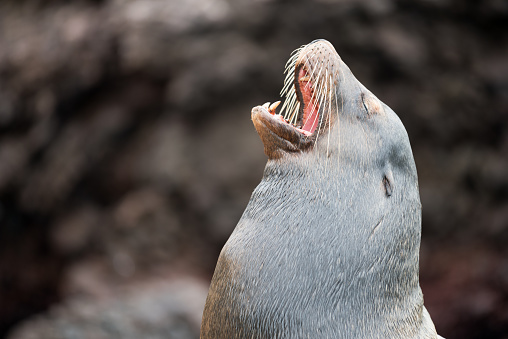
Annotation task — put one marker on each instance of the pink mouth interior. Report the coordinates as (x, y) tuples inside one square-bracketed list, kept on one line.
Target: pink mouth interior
[(310, 118), (310, 109)]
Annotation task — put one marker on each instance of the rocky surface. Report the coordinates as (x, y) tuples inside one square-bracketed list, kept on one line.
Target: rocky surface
[(127, 153), (163, 310)]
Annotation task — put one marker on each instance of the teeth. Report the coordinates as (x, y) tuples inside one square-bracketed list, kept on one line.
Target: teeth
[(273, 106), (305, 78)]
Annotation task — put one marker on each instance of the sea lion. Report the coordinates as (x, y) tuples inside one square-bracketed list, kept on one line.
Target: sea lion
[(328, 246)]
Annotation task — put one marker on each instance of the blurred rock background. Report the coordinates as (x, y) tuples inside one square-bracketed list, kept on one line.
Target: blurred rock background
[(127, 154)]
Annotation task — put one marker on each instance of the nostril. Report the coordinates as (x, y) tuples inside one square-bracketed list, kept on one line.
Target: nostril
[(318, 40)]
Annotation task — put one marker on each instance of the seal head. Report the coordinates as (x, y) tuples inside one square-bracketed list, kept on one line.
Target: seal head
[(328, 246)]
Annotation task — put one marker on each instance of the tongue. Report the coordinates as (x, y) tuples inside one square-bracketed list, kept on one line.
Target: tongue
[(310, 112), (310, 118)]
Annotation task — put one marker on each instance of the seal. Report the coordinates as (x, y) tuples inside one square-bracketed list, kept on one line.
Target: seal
[(328, 245)]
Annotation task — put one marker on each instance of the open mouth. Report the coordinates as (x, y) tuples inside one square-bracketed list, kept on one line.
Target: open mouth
[(301, 107), (310, 97), (309, 94), (308, 108)]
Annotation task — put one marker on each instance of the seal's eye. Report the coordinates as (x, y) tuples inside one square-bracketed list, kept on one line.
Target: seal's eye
[(371, 104)]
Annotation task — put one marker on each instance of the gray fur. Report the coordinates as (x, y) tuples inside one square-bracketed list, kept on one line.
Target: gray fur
[(325, 249)]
